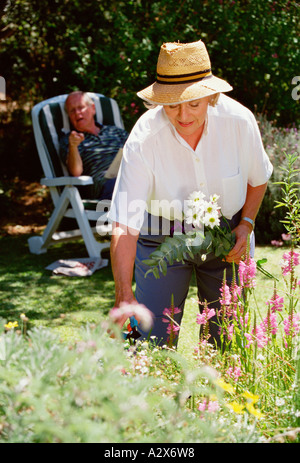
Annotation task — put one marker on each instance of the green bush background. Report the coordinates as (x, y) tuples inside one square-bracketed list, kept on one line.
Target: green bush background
[(111, 47)]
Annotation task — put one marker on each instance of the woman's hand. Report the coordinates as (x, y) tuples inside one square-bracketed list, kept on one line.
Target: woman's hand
[(240, 248)]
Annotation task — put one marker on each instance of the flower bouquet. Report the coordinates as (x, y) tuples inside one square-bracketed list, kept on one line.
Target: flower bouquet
[(202, 234)]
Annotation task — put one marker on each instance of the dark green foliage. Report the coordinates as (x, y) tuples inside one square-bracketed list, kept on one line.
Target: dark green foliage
[(49, 48), (278, 143), (112, 47), (179, 247)]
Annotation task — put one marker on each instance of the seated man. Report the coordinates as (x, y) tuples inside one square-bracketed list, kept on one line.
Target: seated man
[(91, 147)]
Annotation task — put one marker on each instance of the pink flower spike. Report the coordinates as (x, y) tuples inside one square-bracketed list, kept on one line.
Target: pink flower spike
[(290, 260), (226, 296), (173, 329), (247, 272), (200, 319), (270, 324), (203, 318), (292, 325), (276, 303)]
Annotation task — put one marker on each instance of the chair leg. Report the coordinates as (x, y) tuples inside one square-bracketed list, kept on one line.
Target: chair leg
[(70, 194), (39, 244), (93, 247)]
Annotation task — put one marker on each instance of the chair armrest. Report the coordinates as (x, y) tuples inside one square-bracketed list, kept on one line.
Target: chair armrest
[(61, 181)]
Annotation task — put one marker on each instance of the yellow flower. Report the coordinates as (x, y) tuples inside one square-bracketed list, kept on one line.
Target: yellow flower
[(225, 386), (253, 410), (251, 397), (236, 407), (11, 325)]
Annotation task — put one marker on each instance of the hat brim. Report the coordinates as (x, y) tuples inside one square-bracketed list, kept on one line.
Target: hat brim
[(174, 94)]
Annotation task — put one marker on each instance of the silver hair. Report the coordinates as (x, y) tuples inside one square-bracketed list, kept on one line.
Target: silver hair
[(87, 99)]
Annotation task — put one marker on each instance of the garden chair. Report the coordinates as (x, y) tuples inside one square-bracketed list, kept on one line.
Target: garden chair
[(49, 121)]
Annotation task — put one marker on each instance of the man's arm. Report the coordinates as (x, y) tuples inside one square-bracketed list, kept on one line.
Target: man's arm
[(123, 252), (251, 207), (74, 161)]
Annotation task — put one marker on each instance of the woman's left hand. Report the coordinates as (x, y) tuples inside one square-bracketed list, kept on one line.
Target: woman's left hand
[(238, 252)]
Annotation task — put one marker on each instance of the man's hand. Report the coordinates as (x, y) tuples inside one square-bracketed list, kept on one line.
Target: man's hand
[(75, 138), (74, 161)]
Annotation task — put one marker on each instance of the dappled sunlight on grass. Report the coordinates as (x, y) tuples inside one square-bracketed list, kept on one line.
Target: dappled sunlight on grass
[(54, 301), (67, 303)]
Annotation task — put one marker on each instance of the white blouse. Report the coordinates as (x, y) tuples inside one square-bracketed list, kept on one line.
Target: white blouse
[(159, 169)]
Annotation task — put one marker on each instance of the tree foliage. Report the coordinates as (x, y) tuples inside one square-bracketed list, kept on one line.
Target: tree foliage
[(112, 47)]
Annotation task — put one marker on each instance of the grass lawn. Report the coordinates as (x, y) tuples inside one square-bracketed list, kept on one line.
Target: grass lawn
[(64, 304), (58, 302)]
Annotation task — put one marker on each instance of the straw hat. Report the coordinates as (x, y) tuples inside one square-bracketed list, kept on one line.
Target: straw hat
[(183, 74)]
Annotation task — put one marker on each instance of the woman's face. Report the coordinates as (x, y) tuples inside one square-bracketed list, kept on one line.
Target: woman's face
[(188, 118)]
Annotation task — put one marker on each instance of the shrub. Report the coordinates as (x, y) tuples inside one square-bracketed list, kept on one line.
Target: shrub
[(94, 391), (112, 47), (277, 142)]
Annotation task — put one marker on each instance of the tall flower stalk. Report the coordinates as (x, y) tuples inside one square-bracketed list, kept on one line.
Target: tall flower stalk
[(290, 197), (173, 327)]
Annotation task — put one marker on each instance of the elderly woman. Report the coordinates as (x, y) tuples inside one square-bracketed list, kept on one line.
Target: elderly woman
[(195, 138)]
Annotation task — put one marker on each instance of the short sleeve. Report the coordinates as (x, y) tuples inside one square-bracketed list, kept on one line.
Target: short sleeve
[(132, 189), (260, 167)]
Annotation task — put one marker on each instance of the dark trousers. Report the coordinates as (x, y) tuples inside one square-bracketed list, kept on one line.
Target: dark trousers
[(156, 294)]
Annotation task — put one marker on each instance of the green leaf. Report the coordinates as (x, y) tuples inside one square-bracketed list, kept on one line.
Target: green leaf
[(163, 267), (149, 262)]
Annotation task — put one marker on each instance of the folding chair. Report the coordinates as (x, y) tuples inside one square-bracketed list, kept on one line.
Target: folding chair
[(49, 121)]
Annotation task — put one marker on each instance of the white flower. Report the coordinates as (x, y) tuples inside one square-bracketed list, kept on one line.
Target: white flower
[(214, 198), (193, 217), (196, 197), (211, 219), (199, 211), (211, 207)]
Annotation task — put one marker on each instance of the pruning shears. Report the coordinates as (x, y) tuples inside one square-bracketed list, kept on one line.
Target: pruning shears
[(132, 331)]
